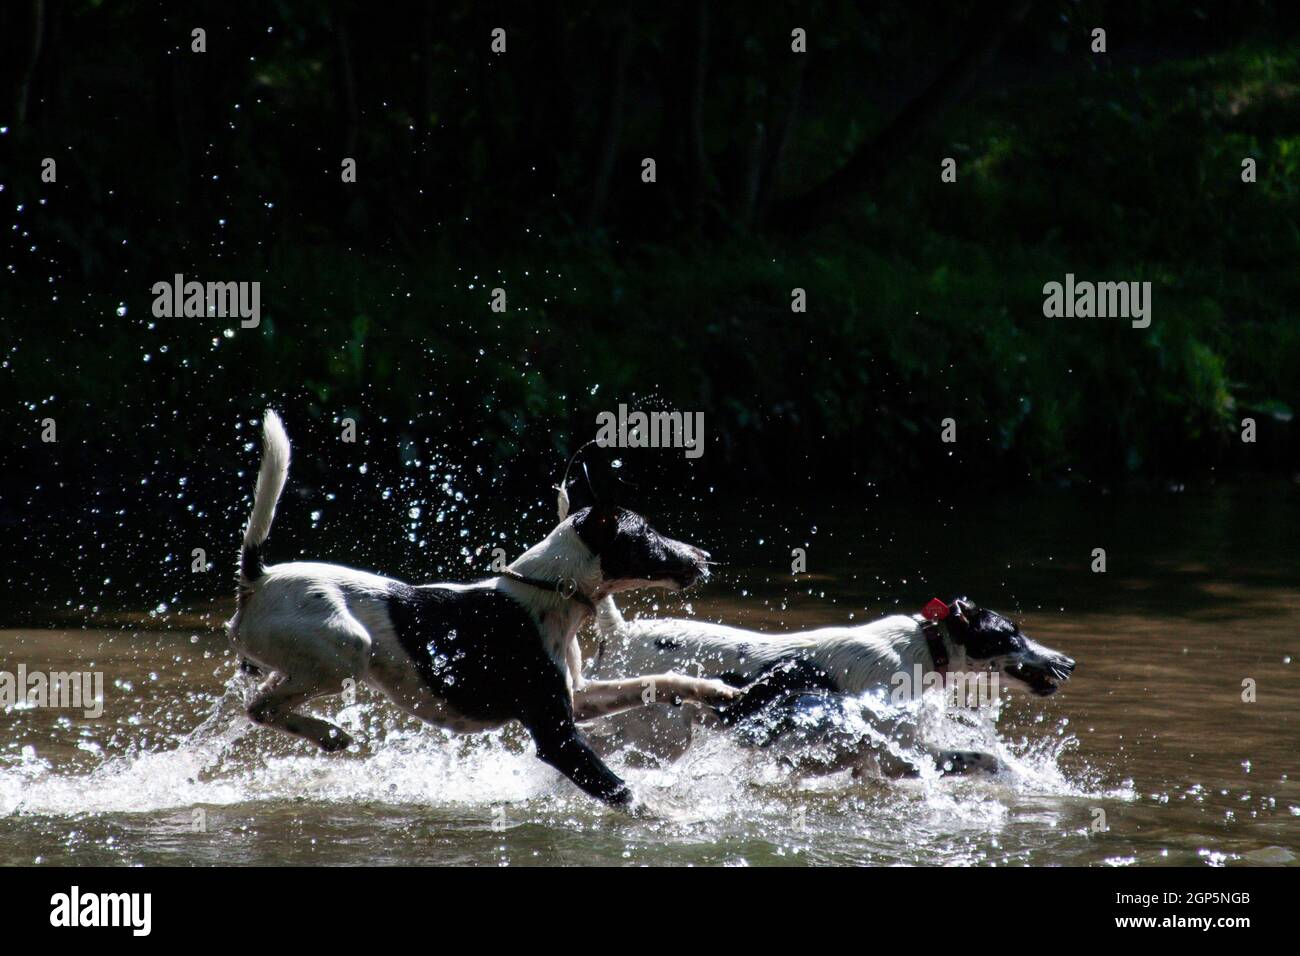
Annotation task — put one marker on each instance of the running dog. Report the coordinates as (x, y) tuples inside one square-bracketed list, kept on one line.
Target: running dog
[(806, 689), (467, 657)]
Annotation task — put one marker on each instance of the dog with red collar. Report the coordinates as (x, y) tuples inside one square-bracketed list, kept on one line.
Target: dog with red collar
[(804, 687)]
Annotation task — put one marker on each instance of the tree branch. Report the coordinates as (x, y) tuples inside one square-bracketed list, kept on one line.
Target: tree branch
[(872, 161), (612, 124), (769, 175), (347, 82), (697, 157), (29, 70)]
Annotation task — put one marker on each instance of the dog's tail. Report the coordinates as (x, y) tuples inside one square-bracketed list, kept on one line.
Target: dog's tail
[(609, 621), (271, 477)]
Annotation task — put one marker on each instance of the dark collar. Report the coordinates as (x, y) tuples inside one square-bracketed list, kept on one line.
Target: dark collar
[(934, 632), (564, 587)]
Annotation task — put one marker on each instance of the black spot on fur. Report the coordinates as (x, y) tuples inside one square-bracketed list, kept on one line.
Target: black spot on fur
[(774, 683), (481, 653)]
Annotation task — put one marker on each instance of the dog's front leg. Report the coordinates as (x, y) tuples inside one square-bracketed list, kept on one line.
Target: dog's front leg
[(600, 698), (549, 720)]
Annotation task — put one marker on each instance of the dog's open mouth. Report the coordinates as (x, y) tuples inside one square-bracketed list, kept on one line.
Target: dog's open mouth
[(1042, 678), (690, 575), (693, 569), (677, 579)]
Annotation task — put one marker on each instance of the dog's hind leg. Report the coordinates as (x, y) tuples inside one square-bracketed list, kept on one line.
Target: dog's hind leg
[(272, 706), (308, 651)]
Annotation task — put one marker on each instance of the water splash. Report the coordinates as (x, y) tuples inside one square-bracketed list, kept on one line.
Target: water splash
[(224, 761)]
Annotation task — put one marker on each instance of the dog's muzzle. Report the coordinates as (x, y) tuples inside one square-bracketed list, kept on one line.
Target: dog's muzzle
[(1044, 675), (695, 567)]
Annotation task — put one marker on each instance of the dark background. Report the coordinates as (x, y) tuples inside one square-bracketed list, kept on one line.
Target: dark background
[(522, 170)]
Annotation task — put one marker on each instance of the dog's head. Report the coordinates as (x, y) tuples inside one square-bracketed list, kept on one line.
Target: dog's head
[(631, 554), (990, 640)]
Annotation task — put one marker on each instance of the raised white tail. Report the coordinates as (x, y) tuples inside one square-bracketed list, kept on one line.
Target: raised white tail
[(271, 477)]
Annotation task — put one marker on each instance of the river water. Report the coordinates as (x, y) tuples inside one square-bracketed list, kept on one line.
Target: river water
[(1148, 756)]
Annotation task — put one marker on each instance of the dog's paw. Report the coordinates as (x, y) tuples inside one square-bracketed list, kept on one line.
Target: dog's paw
[(638, 809), (714, 693)]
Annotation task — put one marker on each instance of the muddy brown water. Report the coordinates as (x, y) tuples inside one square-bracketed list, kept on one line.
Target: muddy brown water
[(1149, 756)]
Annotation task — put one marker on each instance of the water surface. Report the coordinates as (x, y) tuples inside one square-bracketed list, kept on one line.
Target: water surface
[(1151, 737)]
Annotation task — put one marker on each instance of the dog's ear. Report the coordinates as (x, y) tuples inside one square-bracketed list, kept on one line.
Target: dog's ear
[(578, 490), (597, 526), (963, 608), (599, 493), (572, 494), (608, 487)]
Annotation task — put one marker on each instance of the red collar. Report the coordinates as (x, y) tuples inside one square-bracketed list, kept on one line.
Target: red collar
[(933, 632), (932, 616)]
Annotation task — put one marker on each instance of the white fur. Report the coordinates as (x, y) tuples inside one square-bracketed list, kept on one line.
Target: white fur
[(858, 658), (325, 623), (561, 555), (271, 476)]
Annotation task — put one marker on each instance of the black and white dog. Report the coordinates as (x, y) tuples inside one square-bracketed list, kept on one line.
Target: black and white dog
[(467, 657), (804, 690)]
